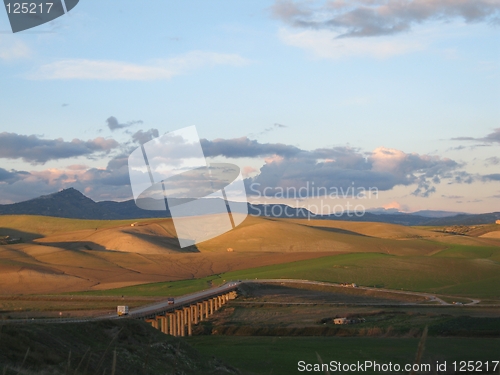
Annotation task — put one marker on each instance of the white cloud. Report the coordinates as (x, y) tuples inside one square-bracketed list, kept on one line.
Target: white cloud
[(108, 70), (324, 44), (12, 49)]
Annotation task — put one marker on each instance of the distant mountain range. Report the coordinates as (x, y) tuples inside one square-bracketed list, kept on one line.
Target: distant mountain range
[(424, 213), (70, 203)]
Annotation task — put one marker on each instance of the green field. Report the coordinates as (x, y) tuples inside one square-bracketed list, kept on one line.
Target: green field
[(467, 271), (171, 288), (280, 355)]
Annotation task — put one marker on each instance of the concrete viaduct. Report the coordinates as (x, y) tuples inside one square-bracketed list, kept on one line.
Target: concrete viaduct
[(178, 320), (192, 308)]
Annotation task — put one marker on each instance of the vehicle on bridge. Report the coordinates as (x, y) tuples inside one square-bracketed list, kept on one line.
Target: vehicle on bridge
[(122, 310), (171, 300)]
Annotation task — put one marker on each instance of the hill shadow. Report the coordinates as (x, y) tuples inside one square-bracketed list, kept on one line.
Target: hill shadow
[(338, 230), (14, 233), (172, 245), (74, 245), (169, 243)]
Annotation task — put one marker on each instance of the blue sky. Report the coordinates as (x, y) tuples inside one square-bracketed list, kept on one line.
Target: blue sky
[(401, 95)]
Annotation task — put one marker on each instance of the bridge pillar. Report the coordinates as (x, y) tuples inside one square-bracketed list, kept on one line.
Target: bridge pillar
[(171, 323), (187, 315), (211, 306), (196, 313), (205, 307), (194, 317), (153, 322), (183, 323), (199, 306), (178, 316), (163, 323)]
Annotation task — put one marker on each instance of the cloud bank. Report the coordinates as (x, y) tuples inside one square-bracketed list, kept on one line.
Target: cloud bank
[(490, 138), (366, 18), (286, 167), (35, 150)]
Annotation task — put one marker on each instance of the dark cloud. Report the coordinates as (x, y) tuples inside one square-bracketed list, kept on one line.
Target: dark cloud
[(11, 176), (286, 166), (96, 184), (290, 167), (244, 147), (113, 123), (494, 160), (33, 149), (493, 137), (142, 137), (424, 190), (361, 18), (464, 139), (107, 177), (110, 183), (457, 148), (490, 138), (462, 177), (492, 177)]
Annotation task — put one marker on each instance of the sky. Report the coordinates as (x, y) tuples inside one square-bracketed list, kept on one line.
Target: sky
[(401, 96)]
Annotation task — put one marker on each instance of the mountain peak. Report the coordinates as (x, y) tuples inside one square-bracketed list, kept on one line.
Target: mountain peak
[(69, 193), (69, 203)]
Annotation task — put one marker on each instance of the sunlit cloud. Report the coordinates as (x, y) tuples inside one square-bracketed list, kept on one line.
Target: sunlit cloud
[(109, 70)]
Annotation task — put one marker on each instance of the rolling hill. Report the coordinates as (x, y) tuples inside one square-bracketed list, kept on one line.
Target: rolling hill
[(82, 253), (60, 255)]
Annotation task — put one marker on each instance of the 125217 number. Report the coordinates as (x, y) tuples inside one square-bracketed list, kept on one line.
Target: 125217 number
[(28, 8), (475, 366)]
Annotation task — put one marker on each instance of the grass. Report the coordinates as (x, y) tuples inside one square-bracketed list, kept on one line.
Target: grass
[(170, 288), (469, 252), (425, 274), (416, 265), (280, 355), (274, 310), (317, 320), (467, 271), (44, 306)]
